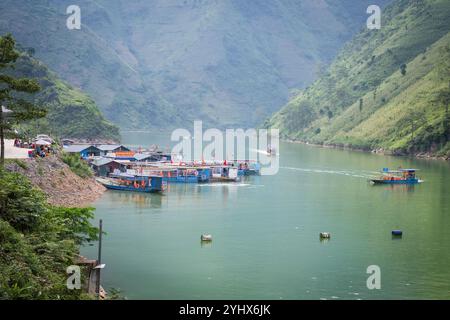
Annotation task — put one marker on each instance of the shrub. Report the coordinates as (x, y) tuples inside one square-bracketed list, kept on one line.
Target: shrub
[(37, 241), (77, 165)]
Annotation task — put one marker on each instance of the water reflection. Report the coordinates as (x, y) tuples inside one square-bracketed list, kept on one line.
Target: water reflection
[(403, 188), (205, 244), (137, 199)]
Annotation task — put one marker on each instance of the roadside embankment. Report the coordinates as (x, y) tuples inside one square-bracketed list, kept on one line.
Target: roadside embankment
[(58, 182)]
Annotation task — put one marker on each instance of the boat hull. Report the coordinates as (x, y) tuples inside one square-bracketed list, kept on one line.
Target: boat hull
[(248, 172), (134, 183), (408, 181), (131, 188)]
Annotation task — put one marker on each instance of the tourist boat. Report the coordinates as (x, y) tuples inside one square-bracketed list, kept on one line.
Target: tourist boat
[(128, 182), (400, 176), (186, 175), (175, 174), (224, 174)]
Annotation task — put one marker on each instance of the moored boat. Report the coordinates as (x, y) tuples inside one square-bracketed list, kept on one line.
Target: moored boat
[(176, 174), (126, 182), (224, 174)]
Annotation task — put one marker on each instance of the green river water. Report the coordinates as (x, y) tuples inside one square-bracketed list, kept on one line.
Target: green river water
[(266, 232)]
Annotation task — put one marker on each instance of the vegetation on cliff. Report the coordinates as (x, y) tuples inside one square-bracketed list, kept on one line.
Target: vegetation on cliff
[(70, 112), (387, 89)]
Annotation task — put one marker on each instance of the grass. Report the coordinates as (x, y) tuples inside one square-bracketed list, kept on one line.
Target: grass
[(77, 165)]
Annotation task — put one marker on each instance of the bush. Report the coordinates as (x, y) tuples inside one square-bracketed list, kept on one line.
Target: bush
[(77, 165), (37, 241)]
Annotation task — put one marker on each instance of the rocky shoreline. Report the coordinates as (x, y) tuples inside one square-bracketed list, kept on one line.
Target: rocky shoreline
[(58, 182), (380, 151)]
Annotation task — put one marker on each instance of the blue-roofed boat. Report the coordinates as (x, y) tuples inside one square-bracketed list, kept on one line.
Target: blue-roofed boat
[(136, 183), (186, 175), (175, 174), (400, 176)]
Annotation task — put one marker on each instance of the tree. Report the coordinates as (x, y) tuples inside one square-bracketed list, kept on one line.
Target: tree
[(330, 114), (413, 118), (443, 98), (10, 87), (403, 69), (361, 104)]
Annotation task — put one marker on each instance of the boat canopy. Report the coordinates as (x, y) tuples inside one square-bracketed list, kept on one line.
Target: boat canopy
[(386, 170)]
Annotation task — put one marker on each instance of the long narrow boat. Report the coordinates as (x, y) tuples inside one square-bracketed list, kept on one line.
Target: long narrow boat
[(126, 182), (173, 174), (400, 176)]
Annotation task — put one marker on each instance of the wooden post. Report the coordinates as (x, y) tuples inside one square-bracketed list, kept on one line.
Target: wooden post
[(99, 260)]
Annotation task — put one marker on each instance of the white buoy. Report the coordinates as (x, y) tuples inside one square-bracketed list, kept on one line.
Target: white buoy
[(325, 235), (206, 237)]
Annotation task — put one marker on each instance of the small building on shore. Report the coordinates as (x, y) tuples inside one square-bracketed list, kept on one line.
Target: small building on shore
[(85, 150), (152, 157), (105, 166), (111, 148), (145, 157)]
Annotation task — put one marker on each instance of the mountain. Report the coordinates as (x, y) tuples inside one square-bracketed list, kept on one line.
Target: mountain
[(70, 112), (388, 88), (164, 63)]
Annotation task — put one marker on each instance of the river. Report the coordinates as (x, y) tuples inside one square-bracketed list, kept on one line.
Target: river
[(266, 232)]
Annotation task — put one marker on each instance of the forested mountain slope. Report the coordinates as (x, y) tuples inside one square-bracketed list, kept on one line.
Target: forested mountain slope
[(70, 112), (164, 63), (388, 88)]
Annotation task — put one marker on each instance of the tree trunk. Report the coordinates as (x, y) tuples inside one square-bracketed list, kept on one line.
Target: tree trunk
[(2, 141)]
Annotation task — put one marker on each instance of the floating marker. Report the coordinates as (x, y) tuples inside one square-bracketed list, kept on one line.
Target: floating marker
[(206, 237), (325, 235), (397, 233)]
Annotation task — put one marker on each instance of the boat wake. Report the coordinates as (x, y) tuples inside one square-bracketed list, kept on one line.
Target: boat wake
[(355, 174), (230, 184), (264, 152)]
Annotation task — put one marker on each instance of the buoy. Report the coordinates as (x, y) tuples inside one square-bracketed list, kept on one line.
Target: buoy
[(397, 232), (325, 235), (206, 237)]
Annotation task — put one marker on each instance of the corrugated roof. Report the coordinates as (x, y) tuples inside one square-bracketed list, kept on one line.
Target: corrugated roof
[(109, 147), (141, 156), (77, 147), (101, 161)]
